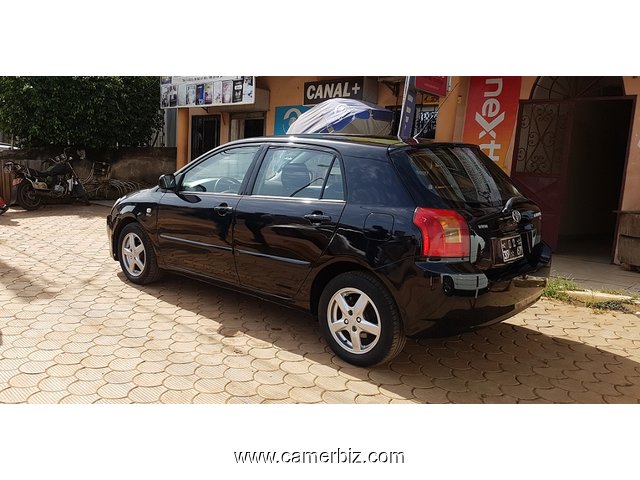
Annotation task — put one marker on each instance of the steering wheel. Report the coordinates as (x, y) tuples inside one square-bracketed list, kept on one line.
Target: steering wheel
[(231, 182)]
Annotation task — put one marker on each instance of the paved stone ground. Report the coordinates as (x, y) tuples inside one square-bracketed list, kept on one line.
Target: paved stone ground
[(72, 330)]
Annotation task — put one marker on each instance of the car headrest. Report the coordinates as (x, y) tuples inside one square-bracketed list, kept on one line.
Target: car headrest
[(294, 176)]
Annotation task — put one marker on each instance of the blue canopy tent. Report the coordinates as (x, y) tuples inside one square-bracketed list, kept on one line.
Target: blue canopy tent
[(342, 115)]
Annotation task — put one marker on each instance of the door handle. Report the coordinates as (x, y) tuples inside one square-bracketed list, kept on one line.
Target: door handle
[(223, 209), (316, 218)]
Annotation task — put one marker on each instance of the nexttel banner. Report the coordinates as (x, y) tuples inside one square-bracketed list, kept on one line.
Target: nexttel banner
[(492, 111)]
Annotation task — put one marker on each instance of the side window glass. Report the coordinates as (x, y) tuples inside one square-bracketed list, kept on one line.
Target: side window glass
[(334, 188), (294, 172), (220, 173)]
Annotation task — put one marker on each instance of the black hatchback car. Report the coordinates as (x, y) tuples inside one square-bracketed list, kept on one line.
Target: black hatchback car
[(379, 239)]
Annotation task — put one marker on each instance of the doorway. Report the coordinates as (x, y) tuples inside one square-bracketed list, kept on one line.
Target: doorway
[(246, 125), (205, 134), (570, 157), (597, 157)]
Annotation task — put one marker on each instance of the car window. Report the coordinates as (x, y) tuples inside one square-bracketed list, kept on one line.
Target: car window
[(460, 175), (300, 173), (222, 172)]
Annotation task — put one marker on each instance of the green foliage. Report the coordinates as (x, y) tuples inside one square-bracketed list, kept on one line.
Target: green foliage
[(616, 305), (556, 288), (81, 111)]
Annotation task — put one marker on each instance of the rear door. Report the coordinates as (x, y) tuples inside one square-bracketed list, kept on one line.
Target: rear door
[(289, 219)]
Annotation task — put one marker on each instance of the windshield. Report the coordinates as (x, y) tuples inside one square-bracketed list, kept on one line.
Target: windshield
[(458, 174)]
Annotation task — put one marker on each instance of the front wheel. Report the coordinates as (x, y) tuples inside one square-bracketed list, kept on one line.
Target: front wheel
[(136, 255), (26, 196), (360, 320)]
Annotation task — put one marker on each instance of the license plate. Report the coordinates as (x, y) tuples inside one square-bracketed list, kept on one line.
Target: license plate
[(511, 248), (16, 181)]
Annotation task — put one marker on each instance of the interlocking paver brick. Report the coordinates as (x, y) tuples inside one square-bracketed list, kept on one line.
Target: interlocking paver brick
[(85, 387), (464, 397), (221, 397), (146, 394), (631, 390), (278, 377), (485, 388), (306, 394), (331, 384), (79, 333), (431, 395), (344, 396), (397, 392)]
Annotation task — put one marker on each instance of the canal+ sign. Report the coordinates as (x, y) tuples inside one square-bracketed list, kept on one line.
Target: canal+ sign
[(318, 92)]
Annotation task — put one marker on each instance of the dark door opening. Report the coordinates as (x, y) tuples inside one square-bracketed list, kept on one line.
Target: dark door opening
[(246, 125), (253, 127), (596, 163), (205, 134), (570, 156)]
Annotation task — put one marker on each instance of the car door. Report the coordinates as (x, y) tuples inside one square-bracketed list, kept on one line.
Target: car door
[(288, 221), (195, 222)]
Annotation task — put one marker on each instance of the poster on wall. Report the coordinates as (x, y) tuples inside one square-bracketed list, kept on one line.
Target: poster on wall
[(285, 116), (492, 112), (176, 92)]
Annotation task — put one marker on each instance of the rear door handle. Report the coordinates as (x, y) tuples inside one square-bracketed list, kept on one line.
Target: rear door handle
[(223, 209), (316, 218)]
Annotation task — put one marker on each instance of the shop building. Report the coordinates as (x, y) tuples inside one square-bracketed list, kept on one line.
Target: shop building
[(570, 143)]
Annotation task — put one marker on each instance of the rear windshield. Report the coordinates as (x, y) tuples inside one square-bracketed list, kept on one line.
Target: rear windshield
[(459, 175)]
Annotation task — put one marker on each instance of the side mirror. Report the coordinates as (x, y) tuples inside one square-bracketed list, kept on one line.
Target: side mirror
[(167, 182)]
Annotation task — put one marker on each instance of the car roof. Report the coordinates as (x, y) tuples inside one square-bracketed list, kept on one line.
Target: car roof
[(387, 142)]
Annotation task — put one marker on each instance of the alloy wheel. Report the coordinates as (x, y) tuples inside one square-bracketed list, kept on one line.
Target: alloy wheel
[(354, 320), (133, 254)]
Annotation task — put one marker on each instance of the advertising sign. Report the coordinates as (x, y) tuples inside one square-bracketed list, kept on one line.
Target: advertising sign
[(433, 85), (206, 91), (492, 111), (318, 92), (285, 116), (407, 115)]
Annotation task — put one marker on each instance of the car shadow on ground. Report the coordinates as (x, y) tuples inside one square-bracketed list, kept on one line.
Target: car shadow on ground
[(504, 363), (15, 213)]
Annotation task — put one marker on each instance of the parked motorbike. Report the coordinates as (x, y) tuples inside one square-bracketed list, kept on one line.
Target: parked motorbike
[(57, 180), (3, 206)]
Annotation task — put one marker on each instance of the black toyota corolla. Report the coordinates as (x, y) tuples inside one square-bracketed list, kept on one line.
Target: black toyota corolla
[(379, 239)]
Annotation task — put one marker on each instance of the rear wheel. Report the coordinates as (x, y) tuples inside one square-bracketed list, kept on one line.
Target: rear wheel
[(360, 320), (26, 196), (137, 257)]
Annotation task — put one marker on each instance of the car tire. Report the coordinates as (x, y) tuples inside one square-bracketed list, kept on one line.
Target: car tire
[(26, 196), (137, 257), (359, 319)]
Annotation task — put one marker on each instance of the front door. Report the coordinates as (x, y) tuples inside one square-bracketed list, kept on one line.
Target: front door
[(288, 221), (540, 163), (195, 223)]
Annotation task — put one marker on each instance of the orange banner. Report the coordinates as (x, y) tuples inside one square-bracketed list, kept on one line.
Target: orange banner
[(492, 111)]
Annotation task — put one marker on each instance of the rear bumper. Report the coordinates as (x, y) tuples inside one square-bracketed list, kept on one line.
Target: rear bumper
[(446, 299)]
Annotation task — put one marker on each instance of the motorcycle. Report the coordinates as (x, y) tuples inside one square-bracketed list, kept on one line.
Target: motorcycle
[(57, 180), (3, 206)]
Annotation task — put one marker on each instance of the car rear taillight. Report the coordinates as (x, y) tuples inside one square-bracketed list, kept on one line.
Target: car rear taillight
[(445, 234)]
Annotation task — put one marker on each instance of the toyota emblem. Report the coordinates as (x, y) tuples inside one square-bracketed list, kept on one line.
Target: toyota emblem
[(516, 215)]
